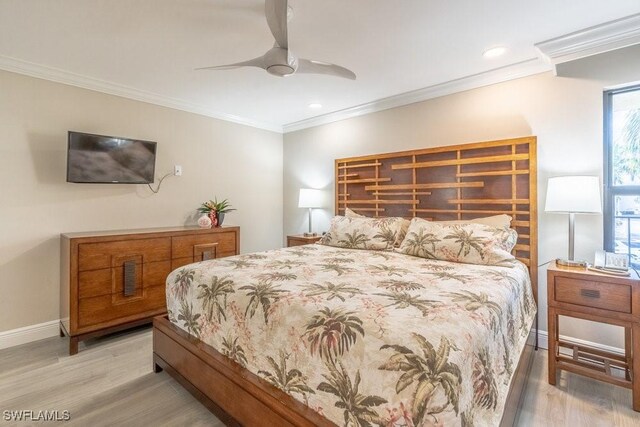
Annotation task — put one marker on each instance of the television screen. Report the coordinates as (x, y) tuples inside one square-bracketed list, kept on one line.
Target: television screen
[(109, 160)]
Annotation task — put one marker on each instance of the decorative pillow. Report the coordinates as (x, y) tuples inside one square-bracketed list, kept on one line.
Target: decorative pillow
[(351, 214), (403, 227), (466, 242), (362, 233)]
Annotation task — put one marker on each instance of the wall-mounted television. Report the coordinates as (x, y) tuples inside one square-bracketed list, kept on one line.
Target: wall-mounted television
[(103, 159)]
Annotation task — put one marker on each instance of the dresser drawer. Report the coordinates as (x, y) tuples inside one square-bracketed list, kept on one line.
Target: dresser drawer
[(94, 256), (606, 296), (111, 280), (106, 308), (180, 262), (193, 246)]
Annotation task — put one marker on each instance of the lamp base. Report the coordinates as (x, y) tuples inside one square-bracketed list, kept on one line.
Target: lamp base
[(310, 234), (571, 263)]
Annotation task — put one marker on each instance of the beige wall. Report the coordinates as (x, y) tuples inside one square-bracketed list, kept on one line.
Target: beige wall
[(564, 113), (36, 204)]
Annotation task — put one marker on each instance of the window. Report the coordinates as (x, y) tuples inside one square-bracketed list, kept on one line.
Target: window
[(622, 172)]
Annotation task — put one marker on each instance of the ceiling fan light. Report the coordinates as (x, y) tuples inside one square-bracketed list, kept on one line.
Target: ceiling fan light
[(494, 52)]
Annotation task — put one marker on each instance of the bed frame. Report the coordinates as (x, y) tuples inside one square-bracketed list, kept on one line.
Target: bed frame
[(444, 183)]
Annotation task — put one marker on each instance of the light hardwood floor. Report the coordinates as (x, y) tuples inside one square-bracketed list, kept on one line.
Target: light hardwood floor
[(110, 382)]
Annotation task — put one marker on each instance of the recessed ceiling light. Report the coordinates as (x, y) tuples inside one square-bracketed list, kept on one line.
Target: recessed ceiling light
[(315, 106), (494, 52)]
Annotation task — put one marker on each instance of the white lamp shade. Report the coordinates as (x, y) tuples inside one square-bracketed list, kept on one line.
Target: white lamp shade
[(573, 194), (310, 198)]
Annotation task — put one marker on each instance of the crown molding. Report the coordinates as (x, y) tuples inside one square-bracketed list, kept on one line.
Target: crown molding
[(497, 75), (19, 66), (590, 41)]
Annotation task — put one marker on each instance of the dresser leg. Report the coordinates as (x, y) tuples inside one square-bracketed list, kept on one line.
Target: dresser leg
[(73, 345), (552, 329), (635, 340)]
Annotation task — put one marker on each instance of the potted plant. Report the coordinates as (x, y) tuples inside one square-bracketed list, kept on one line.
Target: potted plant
[(215, 210)]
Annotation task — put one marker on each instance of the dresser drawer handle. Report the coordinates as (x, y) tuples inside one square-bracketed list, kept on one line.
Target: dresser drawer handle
[(129, 278), (205, 252), (590, 293)]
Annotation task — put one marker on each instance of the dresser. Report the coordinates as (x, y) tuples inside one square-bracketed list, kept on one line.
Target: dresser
[(113, 280)]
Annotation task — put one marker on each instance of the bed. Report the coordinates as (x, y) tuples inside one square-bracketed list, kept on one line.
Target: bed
[(319, 335)]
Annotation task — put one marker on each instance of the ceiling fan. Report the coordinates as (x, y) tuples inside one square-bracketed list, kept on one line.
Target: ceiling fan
[(280, 61)]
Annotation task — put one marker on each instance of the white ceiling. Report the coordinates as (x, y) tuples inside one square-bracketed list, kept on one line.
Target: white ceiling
[(152, 46)]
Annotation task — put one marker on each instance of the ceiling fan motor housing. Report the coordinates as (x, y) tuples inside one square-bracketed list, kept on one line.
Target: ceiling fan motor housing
[(280, 63)]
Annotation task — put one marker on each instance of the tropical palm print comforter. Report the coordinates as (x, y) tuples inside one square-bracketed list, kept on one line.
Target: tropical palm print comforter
[(364, 337)]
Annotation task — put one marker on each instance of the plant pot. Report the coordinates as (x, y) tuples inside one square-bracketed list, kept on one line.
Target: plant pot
[(213, 216), (220, 219)]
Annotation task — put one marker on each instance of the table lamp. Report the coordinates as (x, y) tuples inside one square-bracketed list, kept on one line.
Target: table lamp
[(573, 195), (310, 198)]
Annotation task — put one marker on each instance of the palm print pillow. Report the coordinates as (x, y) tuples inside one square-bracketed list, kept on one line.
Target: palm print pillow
[(467, 243), (404, 225), (362, 233)]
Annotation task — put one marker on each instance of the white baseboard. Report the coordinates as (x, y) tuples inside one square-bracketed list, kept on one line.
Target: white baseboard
[(29, 334)]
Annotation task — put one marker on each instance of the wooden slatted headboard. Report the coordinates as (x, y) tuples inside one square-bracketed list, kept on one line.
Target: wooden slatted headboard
[(449, 183)]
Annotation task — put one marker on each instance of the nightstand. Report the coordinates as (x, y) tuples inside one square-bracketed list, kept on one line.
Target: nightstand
[(301, 239), (614, 300)]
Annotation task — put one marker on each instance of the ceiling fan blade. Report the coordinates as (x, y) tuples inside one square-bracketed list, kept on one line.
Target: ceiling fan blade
[(276, 11), (317, 67), (255, 62)]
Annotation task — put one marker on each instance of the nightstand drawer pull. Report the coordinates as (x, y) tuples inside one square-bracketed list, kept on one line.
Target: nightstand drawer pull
[(590, 293)]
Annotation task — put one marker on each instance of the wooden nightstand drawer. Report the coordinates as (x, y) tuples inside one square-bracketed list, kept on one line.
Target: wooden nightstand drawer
[(300, 240), (606, 296)]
